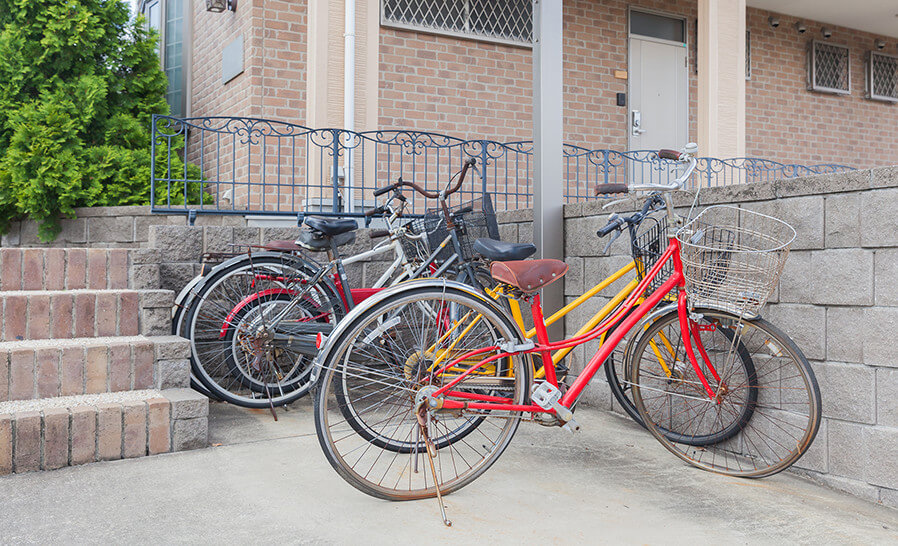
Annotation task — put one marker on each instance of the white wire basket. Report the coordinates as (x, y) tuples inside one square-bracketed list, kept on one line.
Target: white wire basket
[(733, 258)]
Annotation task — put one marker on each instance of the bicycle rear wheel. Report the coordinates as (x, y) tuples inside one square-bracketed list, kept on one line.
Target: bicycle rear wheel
[(766, 409), (366, 413), (236, 353)]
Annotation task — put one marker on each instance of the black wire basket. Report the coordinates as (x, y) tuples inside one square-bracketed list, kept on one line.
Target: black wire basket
[(648, 241), (472, 220)]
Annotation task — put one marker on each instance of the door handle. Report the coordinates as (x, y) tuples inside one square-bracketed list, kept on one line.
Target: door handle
[(636, 123)]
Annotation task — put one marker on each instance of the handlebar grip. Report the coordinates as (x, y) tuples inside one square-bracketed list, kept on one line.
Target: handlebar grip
[(669, 154), (378, 233), (612, 188), (463, 211), (610, 227), (374, 212), (380, 191)]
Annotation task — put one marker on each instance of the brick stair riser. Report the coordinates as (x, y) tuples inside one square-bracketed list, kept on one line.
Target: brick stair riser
[(57, 437), (93, 367), (78, 269), (85, 313)]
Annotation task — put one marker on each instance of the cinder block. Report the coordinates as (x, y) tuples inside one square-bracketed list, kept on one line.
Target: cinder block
[(171, 348), (828, 277), (881, 457), (155, 321), (145, 277), (885, 274), (55, 453), (878, 217), (877, 335), (840, 346), (158, 426), (110, 229), (84, 435), (5, 444), (573, 280), (847, 449), (187, 403), (109, 432), (27, 456), (805, 214), (177, 243), (190, 434), (172, 374), (843, 221), (887, 397), (4, 375), (218, 239), (794, 320), (135, 428), (848, 391), (174, 276), (816, 458)]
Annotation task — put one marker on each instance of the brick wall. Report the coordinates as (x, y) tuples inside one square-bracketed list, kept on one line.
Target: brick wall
[(474, 89), (837, 298), (786, 122)]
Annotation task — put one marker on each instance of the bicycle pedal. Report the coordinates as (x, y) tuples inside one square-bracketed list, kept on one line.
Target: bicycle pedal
[(548, 397), (572, 426)]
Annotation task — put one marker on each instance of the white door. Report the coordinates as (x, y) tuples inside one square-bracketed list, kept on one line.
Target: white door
[(658, 81)]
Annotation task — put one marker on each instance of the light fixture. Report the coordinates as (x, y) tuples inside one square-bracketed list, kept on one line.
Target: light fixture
[(880, 44), (826, 32), (218, 6), (774, 21), (800, 27)]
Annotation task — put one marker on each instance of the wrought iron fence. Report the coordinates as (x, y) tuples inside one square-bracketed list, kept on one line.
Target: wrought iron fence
[(245, 166)]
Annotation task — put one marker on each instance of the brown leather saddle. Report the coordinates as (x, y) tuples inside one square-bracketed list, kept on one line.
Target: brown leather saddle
[(528, 275)]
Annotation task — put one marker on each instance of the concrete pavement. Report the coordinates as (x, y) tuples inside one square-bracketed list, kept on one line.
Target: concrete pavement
[(266, 482)]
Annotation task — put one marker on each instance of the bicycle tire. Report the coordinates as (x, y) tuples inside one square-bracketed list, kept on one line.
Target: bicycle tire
[(386, 373), (217, 305), (777, 416)]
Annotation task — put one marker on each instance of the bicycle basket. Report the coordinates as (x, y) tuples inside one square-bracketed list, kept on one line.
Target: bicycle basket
[(648, 241), (423, 235), (733, 258), (479, 223)]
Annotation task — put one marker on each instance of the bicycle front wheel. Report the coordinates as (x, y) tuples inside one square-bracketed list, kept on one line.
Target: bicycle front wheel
[(765, 408), (369, 422)]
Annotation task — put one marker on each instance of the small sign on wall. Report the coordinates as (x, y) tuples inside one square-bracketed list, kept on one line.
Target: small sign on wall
[(232, 60)]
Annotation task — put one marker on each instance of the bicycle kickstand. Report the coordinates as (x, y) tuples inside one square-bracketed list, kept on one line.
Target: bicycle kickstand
[(431, 450)]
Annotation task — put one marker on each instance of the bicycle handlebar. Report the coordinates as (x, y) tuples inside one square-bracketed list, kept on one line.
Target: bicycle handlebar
[(429, 194)]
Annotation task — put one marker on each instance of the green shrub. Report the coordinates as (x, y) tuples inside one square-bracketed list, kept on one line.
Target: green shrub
[(79, 82)]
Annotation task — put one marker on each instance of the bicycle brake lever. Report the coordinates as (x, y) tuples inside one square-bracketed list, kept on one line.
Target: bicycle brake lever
[(611, 241)]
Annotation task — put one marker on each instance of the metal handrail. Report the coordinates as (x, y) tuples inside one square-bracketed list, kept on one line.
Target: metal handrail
[(251, 166)]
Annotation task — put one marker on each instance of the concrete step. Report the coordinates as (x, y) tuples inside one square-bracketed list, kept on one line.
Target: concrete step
[(51, 433), (66, 367), (78, 269), (67, 314)]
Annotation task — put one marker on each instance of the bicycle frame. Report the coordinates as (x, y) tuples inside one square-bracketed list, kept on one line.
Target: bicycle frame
[(544, 347)]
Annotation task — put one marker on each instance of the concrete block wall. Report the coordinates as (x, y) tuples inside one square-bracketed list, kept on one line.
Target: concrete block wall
[(837, 297)]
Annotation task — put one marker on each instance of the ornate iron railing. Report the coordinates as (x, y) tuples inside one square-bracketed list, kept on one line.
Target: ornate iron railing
[(262, 167)]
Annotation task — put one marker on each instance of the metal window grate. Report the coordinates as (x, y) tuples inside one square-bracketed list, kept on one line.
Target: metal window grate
[(882, 77), (828, 68), (505, 21)]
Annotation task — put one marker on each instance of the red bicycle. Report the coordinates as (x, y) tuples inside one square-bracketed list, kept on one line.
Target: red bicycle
[(423, 386)]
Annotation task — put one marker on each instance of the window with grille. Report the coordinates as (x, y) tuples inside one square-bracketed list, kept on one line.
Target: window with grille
[(882, 77), (505, 21), (747, 54), (828, 68)]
